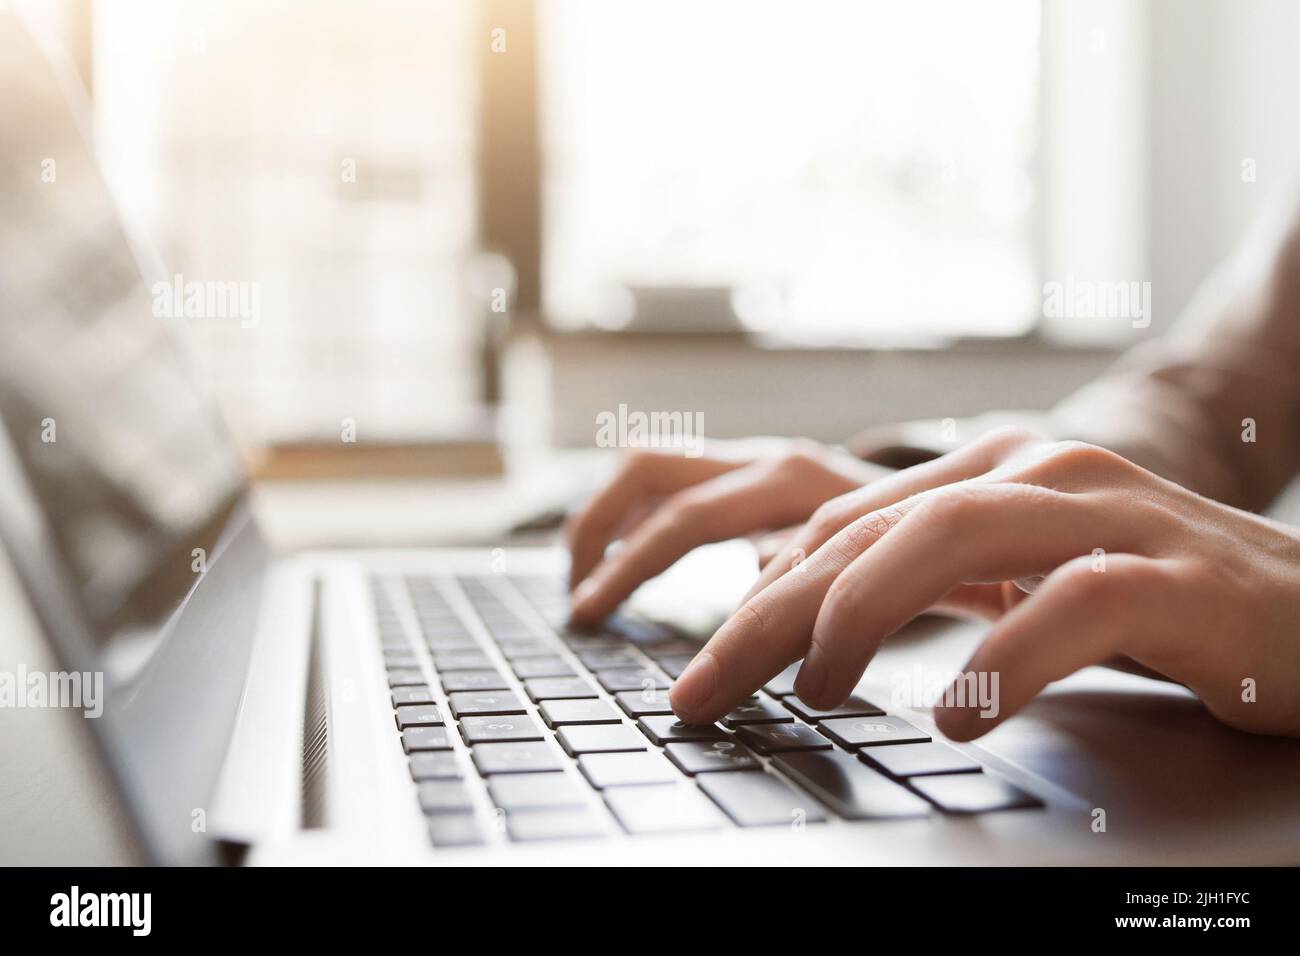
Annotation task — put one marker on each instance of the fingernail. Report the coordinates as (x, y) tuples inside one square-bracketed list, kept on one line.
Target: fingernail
[(691, 692), (810, 683), (584, 591)]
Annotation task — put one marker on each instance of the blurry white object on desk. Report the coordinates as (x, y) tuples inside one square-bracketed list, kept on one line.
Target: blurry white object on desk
[(698, 593)]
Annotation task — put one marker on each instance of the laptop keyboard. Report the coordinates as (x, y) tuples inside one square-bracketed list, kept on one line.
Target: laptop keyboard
[(517, 729)]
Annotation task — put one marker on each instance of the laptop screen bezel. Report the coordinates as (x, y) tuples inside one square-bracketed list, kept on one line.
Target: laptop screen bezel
[(164, 731)]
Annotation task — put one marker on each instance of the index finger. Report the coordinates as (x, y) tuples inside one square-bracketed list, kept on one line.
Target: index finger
[(641, 476), (768, 633)]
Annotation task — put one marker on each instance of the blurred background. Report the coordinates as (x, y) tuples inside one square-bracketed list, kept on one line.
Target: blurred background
[(476, 219)]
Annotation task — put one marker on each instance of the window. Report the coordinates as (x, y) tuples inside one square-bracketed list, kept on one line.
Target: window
[(325, 152), (854, 169)]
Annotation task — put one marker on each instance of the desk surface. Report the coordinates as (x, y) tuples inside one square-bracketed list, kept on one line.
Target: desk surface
[(412, 513)]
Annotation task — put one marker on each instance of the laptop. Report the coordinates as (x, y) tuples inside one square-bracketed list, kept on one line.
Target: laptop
[(431, 706)]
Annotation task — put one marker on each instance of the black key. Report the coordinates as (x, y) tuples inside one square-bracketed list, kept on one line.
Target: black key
[(662, 809), (599, 738), (558, 688), (605, 659), (418, 715), (473, 680), (444, 796), (454, 829), (853, 707), (557, 713), (855, 732), (667, 728), (568, 824), (916, 760), (412, 694), (434, 765), (525, 757), (534, 791), (425, 738), (400, 659), (486, 702), (520, 637), (780, 738), (629, 769), (637, 629), (673, 665), (579, 642), (436, 625), (477, 730), (631, 678), (973, 793), (848, 787), (672, 647), (758, 710), (458, 642), (529, 647), (511, 632), (783, 683), (640, 703), (526, 667), (460, 661), (718, 755), (405, 677), (761, 800), (494, 616), (438, 619)]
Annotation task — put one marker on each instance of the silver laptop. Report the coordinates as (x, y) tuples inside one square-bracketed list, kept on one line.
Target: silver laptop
[(430, 706)]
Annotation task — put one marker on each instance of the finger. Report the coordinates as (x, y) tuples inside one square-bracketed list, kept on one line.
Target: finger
[(971, 461), (769, 632), (725, 507), (968, 533), (769, 545), (642, 476), (984, 601), (1080, 616)]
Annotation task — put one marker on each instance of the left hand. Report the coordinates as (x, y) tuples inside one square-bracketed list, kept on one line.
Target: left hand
[(1126, 563)]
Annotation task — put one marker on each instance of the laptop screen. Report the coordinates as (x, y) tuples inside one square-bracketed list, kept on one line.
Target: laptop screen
[(126, 455)]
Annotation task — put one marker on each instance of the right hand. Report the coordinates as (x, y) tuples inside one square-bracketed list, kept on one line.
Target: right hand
[(664, 505)]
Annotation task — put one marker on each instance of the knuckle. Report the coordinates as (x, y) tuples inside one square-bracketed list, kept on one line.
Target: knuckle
[(838, 601), (1079, 582), (949, 509), (1009, 437), (1084, 455), (802, 459), (639, 462), (685, 512), (862, 532), (1147, 577), (828, 518), (750, 618)]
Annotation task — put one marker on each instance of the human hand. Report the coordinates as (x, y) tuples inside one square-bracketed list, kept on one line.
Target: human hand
[(1124, 563), (664, 505)]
